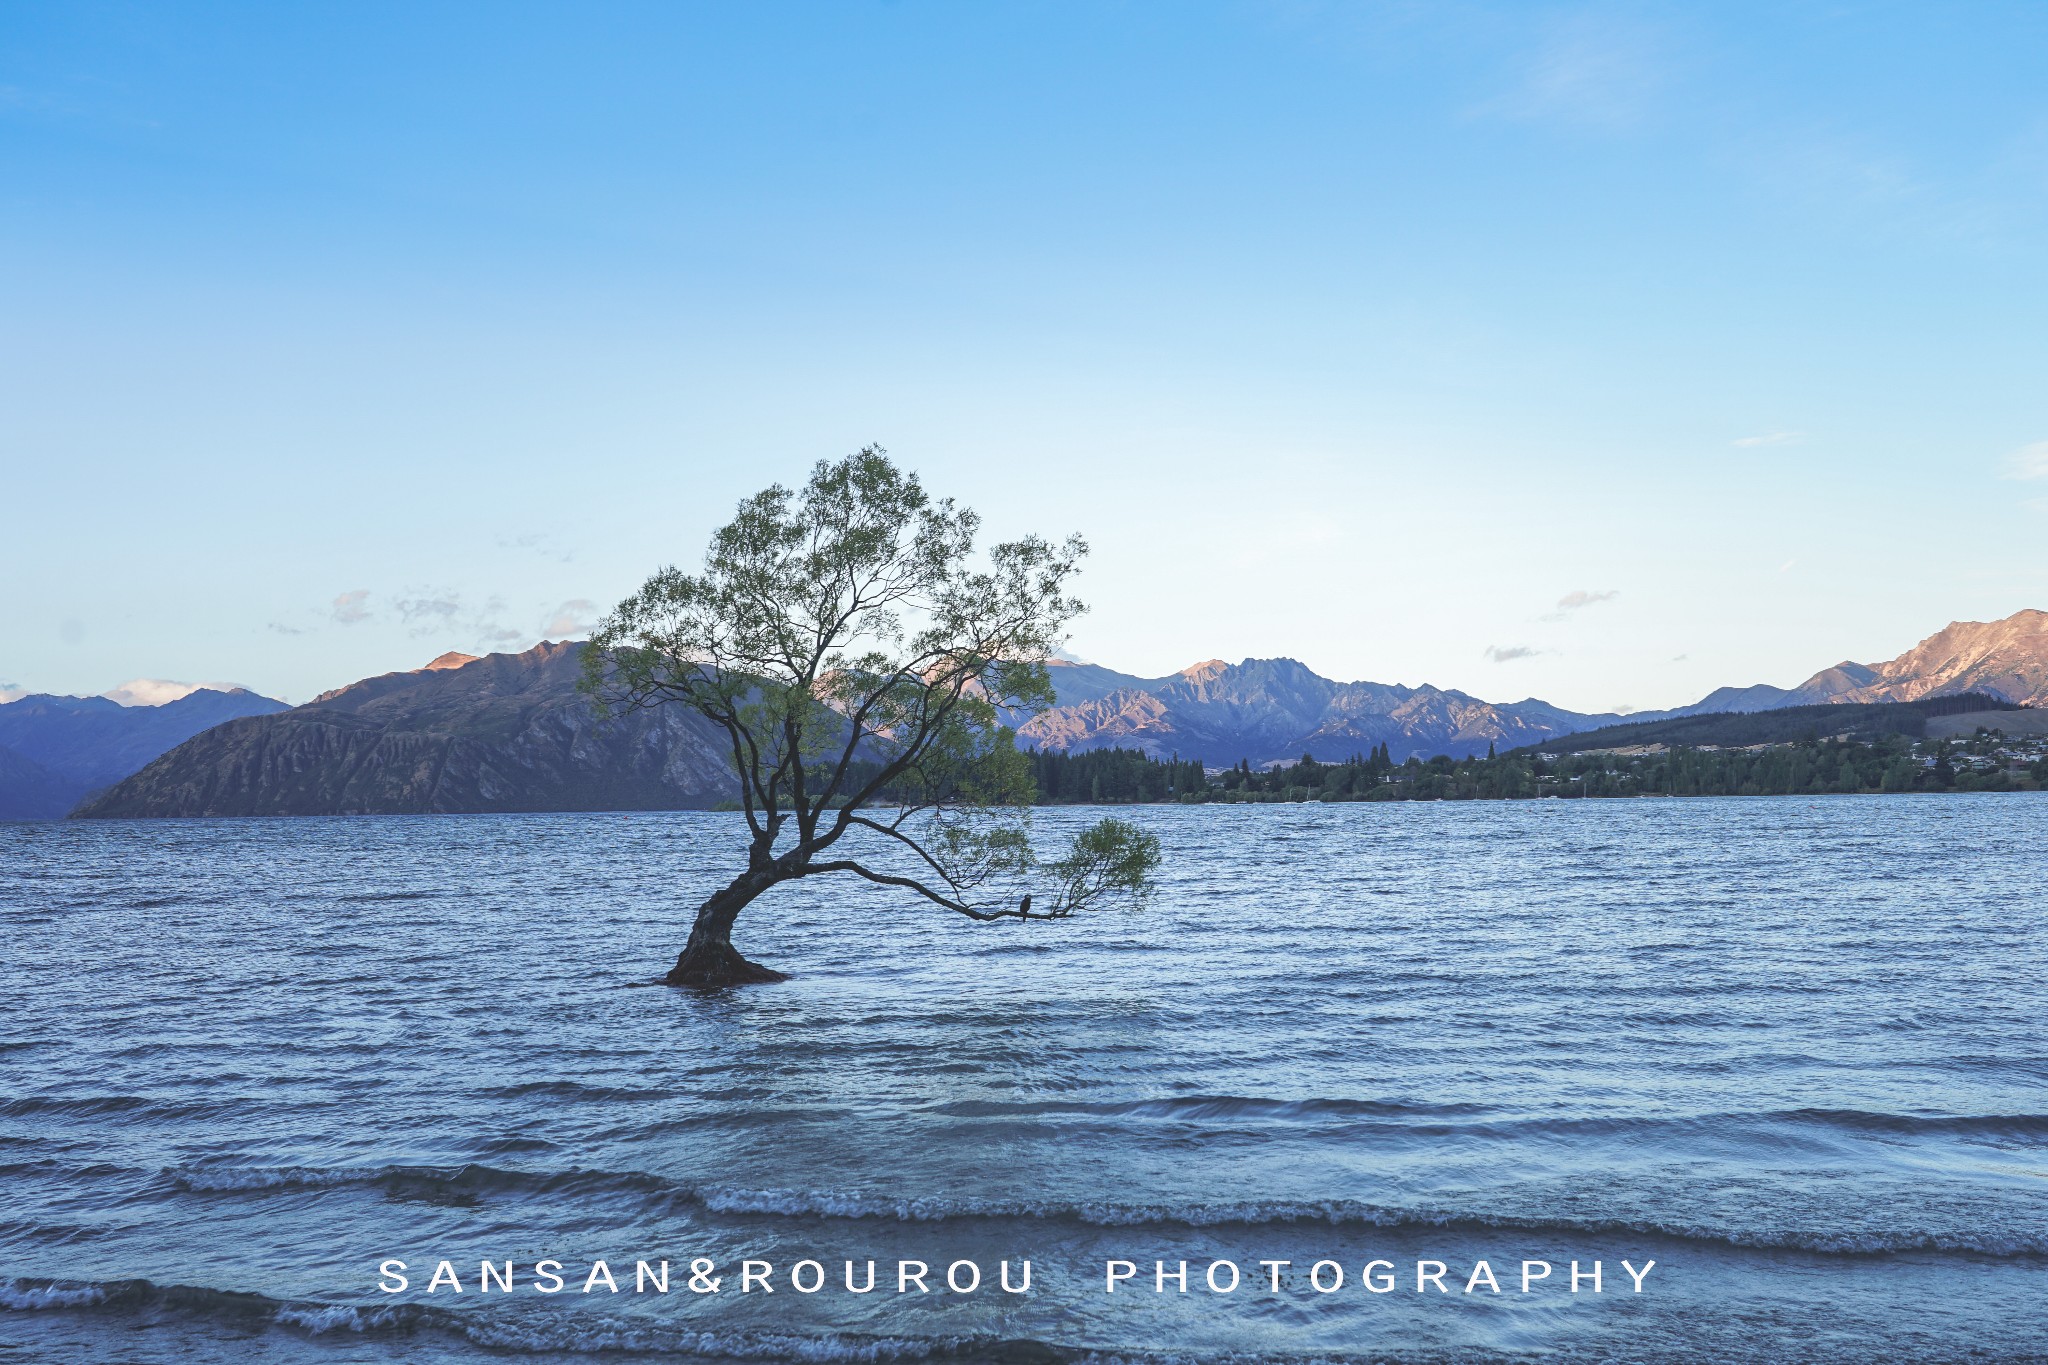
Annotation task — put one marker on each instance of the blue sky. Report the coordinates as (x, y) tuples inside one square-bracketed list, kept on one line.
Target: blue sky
[(1599, 353)]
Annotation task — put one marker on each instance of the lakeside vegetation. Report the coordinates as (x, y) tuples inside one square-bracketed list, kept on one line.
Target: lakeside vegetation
[(1113, 777), (1784, 725), (1803, 767)]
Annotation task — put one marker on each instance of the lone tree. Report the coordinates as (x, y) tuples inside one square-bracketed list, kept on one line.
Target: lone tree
[(862, 662)]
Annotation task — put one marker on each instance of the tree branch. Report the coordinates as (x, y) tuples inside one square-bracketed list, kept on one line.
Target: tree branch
[(913, 884)]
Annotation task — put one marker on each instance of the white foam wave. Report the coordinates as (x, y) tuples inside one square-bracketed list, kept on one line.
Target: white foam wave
[(28, 1298), (573, 1337), (229, 1178), (330, 1317), (621, 1336), (1338, 1213), (857, 1205)]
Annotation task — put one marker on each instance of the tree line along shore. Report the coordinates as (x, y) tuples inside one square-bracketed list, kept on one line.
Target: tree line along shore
[(1986, 762)]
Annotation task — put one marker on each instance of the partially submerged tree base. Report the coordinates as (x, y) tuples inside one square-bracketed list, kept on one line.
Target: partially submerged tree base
[(857, 658), (716, 966)]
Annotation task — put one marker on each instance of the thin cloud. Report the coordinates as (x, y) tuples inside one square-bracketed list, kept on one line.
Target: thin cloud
[(1578, 601), (1501, 656), (1773, 438), (448, 615), (578, 616), (1876, 190), (1592, 72), (2028, 462), (427, 615), (489, 629), (540, 543), (11, 692), (349, 608)]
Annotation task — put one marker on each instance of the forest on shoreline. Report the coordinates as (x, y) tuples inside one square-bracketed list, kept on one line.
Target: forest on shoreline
[(1808, 767)]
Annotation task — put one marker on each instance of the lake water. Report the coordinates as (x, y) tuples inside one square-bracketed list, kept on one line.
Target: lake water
[(1794, 1053)]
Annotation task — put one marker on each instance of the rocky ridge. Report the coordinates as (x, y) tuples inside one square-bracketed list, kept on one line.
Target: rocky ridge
[(506, 732), (1268, 710), (2007, 658)]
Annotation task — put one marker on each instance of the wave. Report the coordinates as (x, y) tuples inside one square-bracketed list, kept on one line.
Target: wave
[(576, 1090), (1345, 1212), (469, 1182), (84, 1106), (125, 1107), (2028, 1125), (29, 1296), (234, 1178), (54, 1234), (1209, 1107), (502, 1329), (1397, 1116), (1438, 1120), (587, 1334)]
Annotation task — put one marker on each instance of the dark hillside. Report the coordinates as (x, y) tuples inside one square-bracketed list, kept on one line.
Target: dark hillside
[(1738, 729)]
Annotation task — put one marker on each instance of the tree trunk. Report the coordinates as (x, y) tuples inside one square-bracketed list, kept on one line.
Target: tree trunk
[(709, 961)]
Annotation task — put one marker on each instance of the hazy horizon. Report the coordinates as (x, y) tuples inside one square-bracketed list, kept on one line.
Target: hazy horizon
[(156, 691)]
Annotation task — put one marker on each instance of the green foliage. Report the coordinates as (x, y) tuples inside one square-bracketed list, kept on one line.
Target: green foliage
[(1890, 763), (1114, 777), (1110, 859), (1361, 777), (857, 652)]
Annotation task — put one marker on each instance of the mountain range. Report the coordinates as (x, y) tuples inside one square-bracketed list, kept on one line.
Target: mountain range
[(2007, 659), (509, 731), (506, 732), (1267, 710), (56, 750)]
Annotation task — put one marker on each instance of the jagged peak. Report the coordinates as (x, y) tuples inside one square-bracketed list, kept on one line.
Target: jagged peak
[(452, 659)]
